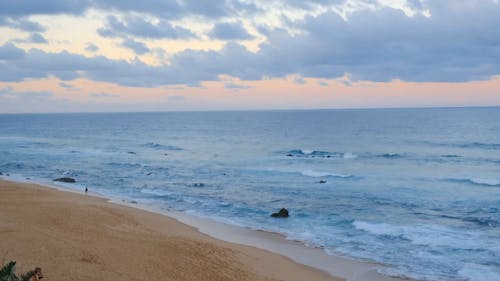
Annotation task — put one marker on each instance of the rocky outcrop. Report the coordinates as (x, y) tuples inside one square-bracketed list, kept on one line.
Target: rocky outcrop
[(283, 213), (68, 180)]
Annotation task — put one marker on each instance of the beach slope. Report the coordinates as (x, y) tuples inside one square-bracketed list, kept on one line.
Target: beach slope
[(78, 237)]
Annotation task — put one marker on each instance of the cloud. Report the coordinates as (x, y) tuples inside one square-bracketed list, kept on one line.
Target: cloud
[(103, 95), (386, 44), (37, 38), (47, 7), (383, 44), (9, 52), (173, 9), (66, 86), (138, 47), (138, 27), (236, 86), (230, 31), (34, 38), (300, 80), (176, 98), (90, 47), (21, 23), (323, 83), (8, 93)]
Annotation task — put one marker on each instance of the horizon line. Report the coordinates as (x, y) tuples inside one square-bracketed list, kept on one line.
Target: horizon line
[(258, 110)]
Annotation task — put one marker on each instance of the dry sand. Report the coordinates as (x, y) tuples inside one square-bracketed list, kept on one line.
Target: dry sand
[(78, 237)]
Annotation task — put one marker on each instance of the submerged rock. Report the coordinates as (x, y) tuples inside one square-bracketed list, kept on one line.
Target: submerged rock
[(283, 213), (68, 180)]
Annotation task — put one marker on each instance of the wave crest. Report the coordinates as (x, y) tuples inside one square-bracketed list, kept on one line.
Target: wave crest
[(158, 146), (320, 154), (477, 181), (318, 174)]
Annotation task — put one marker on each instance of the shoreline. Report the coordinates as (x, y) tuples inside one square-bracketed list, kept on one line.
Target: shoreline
[(315, 258)]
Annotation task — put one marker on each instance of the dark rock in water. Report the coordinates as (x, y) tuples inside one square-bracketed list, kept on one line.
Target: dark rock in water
[(166, 154), (283, 213), (131, 152), (1, 174), (28, 178), (68, 180), (322, 181), (289, 155)]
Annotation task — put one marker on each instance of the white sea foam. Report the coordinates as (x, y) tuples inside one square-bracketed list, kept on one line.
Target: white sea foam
[(318, 174), (429, 235), (485, 181), (478, 272), (377, 228), (157, 192), (349, 155)]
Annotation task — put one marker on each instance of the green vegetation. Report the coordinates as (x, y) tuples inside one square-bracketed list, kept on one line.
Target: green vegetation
[(8, 273)]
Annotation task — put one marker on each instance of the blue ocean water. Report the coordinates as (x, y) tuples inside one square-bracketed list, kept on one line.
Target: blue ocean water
[(416, 189)]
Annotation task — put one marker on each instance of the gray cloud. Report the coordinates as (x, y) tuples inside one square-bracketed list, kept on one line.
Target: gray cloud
[(138, 27), (300, 80), (176, 98), (21, 23), (34, 38), (36, 7), (103, 95), (378, 45), (91, 47), (385, 44), (230, 31), (37, 38), (172, 9), (13, 13), (9, 52), (9, 93), (236, 86), (138, 47), (66, 86), (18, 65)]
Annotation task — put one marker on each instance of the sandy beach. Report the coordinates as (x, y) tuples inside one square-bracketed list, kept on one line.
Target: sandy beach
[(79, 237)]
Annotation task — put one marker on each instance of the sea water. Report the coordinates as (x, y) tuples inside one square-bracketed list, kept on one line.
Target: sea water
[(415, 189)]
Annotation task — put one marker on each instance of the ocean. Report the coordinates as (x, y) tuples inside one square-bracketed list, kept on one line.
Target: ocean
[(415, 189)]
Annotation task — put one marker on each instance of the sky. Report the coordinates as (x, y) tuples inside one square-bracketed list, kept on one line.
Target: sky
[(169, 55)]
